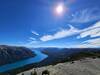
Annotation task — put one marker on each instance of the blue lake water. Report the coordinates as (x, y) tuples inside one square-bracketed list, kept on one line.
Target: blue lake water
[(39, 57)]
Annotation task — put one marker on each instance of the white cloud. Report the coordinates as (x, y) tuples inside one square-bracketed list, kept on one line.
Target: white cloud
[(35, 33), (60, 34), (86, 15), (93, 31), (30, 43), (94, 42), (91, 43), (85, 46), (31, 38)]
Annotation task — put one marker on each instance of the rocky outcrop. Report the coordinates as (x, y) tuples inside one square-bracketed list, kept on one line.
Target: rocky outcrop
[(87, 66)]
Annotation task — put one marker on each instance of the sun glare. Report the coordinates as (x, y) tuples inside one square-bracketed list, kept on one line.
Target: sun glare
[(59, 9)]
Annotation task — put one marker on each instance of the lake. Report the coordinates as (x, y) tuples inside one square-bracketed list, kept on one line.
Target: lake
[(39, 57)]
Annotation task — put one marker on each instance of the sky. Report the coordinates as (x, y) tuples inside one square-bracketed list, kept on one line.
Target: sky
[(50, 23)]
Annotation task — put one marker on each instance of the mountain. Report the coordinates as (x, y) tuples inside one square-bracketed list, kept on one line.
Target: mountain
[(10, 54), (58, 55)]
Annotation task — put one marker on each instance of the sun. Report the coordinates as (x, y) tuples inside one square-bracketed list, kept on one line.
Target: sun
[(59, 9)]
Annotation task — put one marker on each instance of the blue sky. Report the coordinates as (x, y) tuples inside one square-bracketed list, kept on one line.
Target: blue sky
[(33, 23)]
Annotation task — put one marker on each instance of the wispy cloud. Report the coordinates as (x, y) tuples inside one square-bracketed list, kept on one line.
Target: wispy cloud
[(60, 34), (91, 43), (82, 16), (93, 31), (86, 45), (35, 33), (94, 42), (31, 38), (85, 15), (31, 41)]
